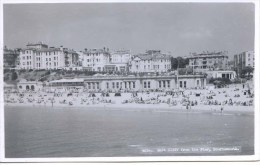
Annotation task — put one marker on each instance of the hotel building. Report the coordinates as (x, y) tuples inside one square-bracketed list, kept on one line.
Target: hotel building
[(151, 61), (243, 60), (208, 61), (102, 60), (118, 61), (40, 56)]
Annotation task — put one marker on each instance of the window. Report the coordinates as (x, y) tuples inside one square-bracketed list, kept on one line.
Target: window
[(107, 85), (89, 85), (185, 84), (46, 59), (133, 84), (27, 57), (198, 82), (149, 84), (113, 85), (168, 81), (164, 85), (54, 58), (160, 84), (117, 84), (180, 84), (144, 84), (97, 85), (93, 84)]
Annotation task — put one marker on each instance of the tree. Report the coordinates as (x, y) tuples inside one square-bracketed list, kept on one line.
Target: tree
[(247, 71), (179, 62), (14, 76), (174, 63)]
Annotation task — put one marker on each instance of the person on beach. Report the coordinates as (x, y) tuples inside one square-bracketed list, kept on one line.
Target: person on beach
[(221, 109)]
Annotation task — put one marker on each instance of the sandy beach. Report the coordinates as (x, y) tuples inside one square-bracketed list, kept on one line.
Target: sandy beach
[(234, 98)]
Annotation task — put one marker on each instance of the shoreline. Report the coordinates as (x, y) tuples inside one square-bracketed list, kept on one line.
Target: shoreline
[(146, 107)]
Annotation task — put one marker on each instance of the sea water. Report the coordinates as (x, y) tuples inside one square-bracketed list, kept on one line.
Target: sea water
[(32, 132)]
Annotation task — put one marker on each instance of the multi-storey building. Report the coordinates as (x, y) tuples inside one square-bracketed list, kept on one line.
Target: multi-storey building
[(243, 60), (118, 61), (102, 60), (209, 61), (95, 59), (40, 56), (151, 61), (10, 58)]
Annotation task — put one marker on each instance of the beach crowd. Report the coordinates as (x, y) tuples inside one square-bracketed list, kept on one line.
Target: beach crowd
[(235, 95)]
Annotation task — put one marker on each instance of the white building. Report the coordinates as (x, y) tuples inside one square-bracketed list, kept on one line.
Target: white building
[(116, 83), (222, 74), (23, 85), (118, 61), (39, 56), (208, 61), (102, 60), (95, 59), (151, 61)]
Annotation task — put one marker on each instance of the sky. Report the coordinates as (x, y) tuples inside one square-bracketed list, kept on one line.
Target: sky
[(176, 28)]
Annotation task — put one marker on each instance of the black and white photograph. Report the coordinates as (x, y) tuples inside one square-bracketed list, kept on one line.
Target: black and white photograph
[(129, 80)]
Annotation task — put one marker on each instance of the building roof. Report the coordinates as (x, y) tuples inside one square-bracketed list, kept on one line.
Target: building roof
[(48, 49), (68, 80), (71, 51), (96, 51), (154, 56), (34, 44), (209, 55), (120, 52)]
